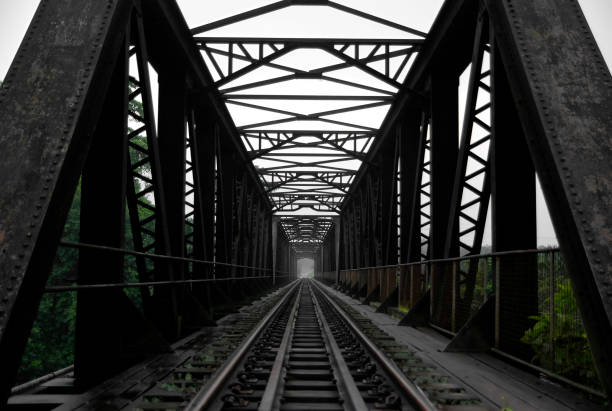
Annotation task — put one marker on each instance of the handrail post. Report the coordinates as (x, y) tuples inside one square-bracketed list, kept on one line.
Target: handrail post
[(497, 300), (430, 278), (551, 273), (454, 298), (411, 287)]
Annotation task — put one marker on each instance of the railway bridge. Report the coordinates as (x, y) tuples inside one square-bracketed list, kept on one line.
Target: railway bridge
[(166, 181)]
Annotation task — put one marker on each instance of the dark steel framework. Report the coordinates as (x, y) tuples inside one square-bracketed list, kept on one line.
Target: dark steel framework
[(190, 189), (77, 105), (529, 107), (306, 154)]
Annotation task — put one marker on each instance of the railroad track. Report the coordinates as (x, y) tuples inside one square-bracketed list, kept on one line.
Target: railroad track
[(309, 355)]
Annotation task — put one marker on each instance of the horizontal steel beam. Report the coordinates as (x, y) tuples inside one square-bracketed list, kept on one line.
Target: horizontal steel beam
[(305, 41)]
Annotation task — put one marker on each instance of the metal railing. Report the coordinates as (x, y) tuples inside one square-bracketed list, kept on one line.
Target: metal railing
[(537, 321), (52, 337)]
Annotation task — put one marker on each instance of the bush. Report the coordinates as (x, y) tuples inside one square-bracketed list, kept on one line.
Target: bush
[(570, 354)]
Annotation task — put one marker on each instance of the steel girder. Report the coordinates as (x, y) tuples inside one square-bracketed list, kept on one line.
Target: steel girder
[(305, 169), (39, 121), (72, 110), (544, 112), (544, 101), (563, 93)]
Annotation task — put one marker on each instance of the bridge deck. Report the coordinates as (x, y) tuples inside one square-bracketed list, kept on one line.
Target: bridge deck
[(491, 379)]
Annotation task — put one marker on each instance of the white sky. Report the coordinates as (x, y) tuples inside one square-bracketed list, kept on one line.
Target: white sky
[(308, 22), (15, 16)]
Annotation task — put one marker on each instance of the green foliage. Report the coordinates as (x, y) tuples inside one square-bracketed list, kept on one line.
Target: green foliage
[(51, 343), (568, 352)]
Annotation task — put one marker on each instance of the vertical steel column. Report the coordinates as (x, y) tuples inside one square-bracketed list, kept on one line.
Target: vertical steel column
[(513, 219), (172, 108), (274, 248), (202, 145), (337, 236), (409, 142), (47, 129), (203, 148), (171, 155), (99, 332), (444, 143), (387, 207)]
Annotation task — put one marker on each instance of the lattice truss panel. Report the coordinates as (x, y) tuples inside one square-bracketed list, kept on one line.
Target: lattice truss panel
[(472, 189), (308, 108), (143, 193), (306, 230)]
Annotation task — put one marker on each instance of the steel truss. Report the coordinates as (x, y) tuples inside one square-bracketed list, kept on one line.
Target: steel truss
[(523, 113), (187, 183), (196, 186), (307, 169)]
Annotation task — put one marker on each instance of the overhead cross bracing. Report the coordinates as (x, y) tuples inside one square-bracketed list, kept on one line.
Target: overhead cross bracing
[(308, 109), (208, 236)]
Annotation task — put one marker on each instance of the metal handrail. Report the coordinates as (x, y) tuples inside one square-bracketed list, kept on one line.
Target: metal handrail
[(63, 288), (451, 259), (72, 244)]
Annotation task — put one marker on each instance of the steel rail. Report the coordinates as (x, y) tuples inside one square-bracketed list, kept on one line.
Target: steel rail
[(346, 380), (203, 398), (416, 395), (273, 384)]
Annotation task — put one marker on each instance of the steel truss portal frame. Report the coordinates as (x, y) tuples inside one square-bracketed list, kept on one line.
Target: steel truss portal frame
[(193, 192)]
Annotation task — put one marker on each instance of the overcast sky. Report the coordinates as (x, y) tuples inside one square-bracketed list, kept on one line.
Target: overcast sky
[(303, 21), (15, 16)]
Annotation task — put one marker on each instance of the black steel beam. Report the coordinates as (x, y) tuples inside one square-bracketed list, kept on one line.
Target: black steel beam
[(444, 138), (307, 41), (563, 90), (169, 31), (409, 141), (46, 124), (448, 44), (513, 220)]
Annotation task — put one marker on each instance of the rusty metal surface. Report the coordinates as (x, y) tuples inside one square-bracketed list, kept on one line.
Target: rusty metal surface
[(564, 92), (48, 111)]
